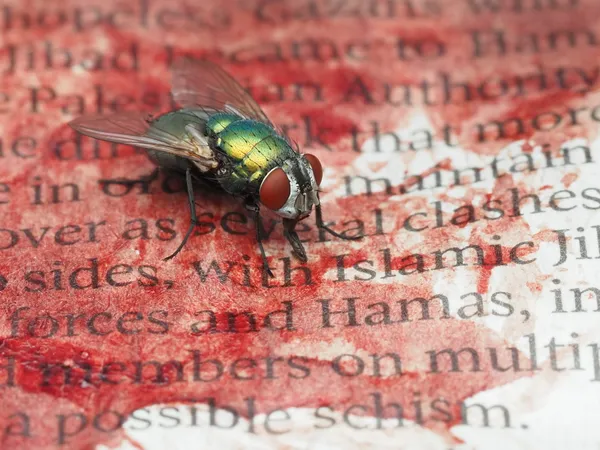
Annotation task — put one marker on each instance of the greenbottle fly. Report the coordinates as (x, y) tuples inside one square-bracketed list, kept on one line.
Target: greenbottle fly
[(222, 138)]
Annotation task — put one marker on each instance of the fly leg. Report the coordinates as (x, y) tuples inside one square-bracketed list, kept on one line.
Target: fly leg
[(321, 225), (194, 218), (259, 235), (292, 237)]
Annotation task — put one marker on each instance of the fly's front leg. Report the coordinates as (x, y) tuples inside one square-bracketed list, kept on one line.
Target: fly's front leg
[(259, 234), (290, 234), (321, 224), (194, 218)]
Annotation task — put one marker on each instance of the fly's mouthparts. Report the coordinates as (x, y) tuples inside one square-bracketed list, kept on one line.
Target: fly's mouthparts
[(305, 201)]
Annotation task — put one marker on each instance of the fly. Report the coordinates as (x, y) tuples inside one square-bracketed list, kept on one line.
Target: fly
[(221, 137)]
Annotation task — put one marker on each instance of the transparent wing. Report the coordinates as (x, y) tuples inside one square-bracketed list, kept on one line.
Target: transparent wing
[(199, 83), (138, 130)]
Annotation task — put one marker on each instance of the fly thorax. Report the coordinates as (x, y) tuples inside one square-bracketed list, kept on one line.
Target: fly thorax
[(303, 189)]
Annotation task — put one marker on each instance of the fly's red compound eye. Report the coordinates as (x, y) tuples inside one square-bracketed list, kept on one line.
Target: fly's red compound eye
[(275, 189), (316, 167)]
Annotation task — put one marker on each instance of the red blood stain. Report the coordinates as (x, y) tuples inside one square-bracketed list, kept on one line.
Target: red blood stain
[(535, 287), (527, 147), (569, 179)]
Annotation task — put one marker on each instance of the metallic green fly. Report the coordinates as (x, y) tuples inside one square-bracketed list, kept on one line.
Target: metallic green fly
[(221, 137)]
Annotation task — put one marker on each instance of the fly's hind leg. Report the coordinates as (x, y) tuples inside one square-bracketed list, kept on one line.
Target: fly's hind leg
[(251, 206), (194, 218)]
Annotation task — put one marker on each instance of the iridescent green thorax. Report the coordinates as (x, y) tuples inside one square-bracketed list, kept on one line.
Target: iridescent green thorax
[(217, 122), (253, 149)]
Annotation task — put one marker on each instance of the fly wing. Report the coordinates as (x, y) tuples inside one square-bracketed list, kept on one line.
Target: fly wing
[(139, 130), (199, 83)]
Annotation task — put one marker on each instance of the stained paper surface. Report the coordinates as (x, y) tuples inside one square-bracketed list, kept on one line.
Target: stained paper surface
[(460, 138)]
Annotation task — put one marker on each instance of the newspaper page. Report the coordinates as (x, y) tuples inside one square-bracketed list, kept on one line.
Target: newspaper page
[(459, 139)]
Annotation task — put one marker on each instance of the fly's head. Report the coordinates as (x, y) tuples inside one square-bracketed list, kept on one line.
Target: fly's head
[(291, 189)]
